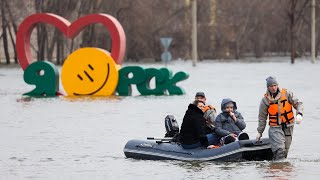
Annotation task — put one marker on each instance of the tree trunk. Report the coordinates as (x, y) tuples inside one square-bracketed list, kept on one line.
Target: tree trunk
[(237, 50), (292, 30), (42, 35), (58, 50), (15, 29), (60, 47), (4, 35), (52, 45), (194, 33), (313, 31), (13, 45), (12, 19), (292, 44), (42, 40)]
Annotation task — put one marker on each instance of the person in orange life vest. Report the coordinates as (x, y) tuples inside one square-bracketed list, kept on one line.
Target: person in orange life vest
[(210, 112), (210, 115), (277, 104)]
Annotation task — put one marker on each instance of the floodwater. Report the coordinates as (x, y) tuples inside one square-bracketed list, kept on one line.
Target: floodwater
[(68, 138)]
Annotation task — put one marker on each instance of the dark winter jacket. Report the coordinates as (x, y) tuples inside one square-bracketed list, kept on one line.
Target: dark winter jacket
[(225, 125), (193, 128)]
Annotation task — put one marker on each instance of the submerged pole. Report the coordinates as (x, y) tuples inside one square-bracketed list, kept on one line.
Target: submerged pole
[(194, 33), (313, 31)]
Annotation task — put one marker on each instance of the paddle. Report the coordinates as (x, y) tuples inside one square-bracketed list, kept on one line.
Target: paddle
[(162, 139)]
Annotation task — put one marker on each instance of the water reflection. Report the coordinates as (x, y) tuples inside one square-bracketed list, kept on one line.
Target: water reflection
[(91, 98), (193, 165), (24, 99), (279, 170), (20, 159), (72, 98), (219, 166)]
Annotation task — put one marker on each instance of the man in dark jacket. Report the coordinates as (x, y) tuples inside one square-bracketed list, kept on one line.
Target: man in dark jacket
[(193, 128), (210, 115)]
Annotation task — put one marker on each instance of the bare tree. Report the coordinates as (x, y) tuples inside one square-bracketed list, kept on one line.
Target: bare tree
[(295, 12), (5, 25), (226, 29)]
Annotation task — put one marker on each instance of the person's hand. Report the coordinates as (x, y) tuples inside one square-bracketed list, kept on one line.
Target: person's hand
[(233, 135), (212, 147), (299, 119), (258, 137), (210, 125), (233, 116)]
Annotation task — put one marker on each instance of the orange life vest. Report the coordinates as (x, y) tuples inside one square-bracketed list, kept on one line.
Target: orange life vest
[(206, 108), (287, 116)]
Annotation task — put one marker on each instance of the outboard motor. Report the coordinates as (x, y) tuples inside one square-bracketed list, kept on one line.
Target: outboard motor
[(172, 126)]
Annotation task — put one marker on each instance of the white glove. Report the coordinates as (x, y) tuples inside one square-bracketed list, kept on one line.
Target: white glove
[(298, 119), (258, 137)]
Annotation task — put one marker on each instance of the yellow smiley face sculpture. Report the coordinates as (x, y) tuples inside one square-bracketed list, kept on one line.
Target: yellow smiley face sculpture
[(89, 71)]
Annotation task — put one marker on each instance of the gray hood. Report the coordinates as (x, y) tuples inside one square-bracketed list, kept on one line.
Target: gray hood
[(226, 101)]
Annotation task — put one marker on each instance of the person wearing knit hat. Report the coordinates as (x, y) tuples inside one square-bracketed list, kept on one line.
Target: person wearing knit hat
[(271, 81), (272, 86), (281, 121)]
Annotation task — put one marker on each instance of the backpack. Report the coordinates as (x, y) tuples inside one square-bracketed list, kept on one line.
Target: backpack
[(172, 126)]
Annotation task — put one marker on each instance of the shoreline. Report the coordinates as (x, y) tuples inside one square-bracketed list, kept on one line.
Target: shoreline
[(282, 59)]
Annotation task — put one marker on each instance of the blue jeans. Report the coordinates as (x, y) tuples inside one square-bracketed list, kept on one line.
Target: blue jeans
[(213, 139), (191, 146)]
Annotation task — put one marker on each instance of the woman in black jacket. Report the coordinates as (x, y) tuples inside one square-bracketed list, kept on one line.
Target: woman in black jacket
[(193, 128)]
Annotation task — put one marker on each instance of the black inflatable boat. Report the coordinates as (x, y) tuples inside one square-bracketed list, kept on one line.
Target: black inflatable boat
[(169, 149), (164, 149)]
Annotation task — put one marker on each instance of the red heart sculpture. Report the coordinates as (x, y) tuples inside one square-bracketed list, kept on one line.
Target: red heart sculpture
[(115, 29)]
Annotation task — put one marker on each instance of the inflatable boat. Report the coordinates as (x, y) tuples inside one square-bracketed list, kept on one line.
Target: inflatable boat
[(165, 149)]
